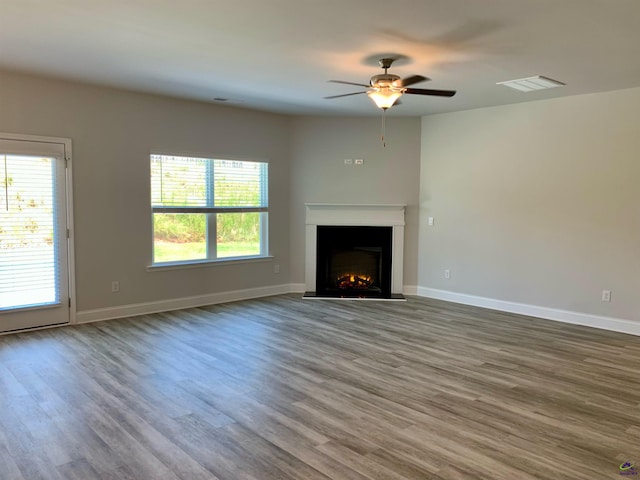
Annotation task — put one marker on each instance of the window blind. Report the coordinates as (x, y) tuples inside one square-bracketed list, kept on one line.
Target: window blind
[(28, 263), (199, 184)]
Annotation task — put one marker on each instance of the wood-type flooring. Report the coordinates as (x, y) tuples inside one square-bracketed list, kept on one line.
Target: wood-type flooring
[(282, 388)]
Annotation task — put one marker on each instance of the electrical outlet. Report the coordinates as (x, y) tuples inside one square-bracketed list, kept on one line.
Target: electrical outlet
[(276, 268), (359, 161), (115, 286), (348, 161), (606, 295), (447, 274)]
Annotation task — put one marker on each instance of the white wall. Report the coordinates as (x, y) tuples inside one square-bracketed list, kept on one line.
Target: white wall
[(389, 175), (113, 132), (537, 204)]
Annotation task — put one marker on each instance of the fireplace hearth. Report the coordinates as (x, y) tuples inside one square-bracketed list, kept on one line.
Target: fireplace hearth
[(354, 251)]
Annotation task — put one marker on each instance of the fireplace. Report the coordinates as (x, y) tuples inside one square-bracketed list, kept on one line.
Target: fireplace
[(354, 251), (353, 261)]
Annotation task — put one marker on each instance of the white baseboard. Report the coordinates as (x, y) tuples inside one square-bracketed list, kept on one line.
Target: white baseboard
[(410, 290), (605, 323), (110, 313), (595, 321), (298, 288)]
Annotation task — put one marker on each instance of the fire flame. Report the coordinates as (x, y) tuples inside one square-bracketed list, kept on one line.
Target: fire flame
[(354, 281)]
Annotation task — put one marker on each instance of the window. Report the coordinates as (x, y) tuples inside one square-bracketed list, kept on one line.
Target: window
[(208, 209)]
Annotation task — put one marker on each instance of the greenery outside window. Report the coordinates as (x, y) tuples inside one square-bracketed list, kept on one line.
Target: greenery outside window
[(208, 209)]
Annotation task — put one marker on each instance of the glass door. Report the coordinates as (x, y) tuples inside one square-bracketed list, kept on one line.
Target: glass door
[(34, 246)]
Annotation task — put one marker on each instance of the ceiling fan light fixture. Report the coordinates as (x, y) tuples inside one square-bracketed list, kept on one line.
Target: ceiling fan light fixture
[(384, 98)]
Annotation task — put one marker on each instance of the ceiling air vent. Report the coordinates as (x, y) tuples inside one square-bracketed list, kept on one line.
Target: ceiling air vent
[(532, 83)]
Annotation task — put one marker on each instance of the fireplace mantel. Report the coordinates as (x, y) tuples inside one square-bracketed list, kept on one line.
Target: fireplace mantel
[(355, 215)]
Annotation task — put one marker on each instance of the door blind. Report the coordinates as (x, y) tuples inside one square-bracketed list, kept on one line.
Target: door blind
[(28, 259)]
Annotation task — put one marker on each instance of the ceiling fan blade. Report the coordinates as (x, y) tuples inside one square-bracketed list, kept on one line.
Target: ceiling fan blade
[(426, 91), (345, 95), (413, 79), (351, 83)]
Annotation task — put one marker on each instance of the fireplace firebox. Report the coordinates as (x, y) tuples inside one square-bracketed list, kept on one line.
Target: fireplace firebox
[(353, 261), (354, 251)]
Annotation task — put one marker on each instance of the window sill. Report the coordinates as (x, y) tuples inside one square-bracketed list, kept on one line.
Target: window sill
[(207, 263)]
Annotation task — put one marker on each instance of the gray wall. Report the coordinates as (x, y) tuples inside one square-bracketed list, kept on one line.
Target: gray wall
[(536, 203), (389, 175), (113, 132)]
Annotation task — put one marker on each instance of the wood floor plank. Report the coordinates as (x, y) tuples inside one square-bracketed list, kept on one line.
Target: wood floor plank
[(281, 388)]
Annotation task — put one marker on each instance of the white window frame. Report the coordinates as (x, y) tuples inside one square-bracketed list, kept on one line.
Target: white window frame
[(212, 257)]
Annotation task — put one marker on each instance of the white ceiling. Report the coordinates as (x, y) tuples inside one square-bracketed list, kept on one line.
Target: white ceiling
[(278, 55)]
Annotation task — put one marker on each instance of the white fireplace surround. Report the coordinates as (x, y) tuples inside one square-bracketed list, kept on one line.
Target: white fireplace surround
[(355, 216)]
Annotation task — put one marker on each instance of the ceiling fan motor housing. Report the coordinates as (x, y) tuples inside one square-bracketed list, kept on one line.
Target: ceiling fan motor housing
[(386, 80)]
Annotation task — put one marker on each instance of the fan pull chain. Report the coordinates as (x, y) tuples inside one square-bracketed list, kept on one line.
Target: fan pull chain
[(384, 144)]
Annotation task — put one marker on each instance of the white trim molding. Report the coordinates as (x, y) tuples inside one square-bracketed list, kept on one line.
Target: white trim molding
[(565, 316), (576, 318), (410, 290), (355, 215), (110, 313)]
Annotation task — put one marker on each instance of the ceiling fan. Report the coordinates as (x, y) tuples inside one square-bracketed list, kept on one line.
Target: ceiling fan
[(386, 88)]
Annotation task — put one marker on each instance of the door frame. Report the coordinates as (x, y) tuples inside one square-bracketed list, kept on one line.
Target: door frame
[(71, 275)]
